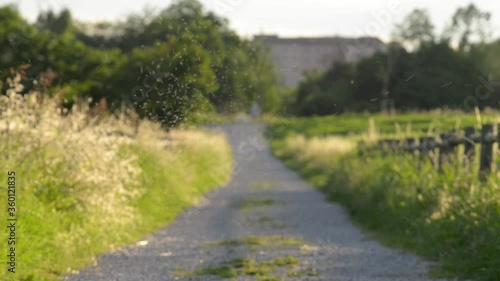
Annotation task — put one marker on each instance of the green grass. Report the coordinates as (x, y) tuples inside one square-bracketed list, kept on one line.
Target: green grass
[(57, 231), (304, 273), (260, 241), (270, 221), (450, 218), (263, 184), (206, 118), (353, 124), (249, 267), (181, 272), (248, 204)]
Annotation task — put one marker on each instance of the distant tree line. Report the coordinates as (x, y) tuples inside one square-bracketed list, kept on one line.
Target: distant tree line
[(420, 70), (166, 65)]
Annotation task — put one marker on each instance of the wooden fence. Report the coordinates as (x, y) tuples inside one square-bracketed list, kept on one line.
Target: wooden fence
[(443, 149)]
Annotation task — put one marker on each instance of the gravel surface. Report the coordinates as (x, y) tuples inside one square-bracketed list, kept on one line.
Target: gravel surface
[(271, 204)]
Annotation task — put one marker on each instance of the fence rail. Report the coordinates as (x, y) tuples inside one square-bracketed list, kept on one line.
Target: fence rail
[(442, 149)]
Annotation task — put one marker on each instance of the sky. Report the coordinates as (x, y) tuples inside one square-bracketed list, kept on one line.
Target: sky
[(286, 18)]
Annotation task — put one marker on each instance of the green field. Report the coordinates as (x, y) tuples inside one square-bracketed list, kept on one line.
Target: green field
[(355, 124), (451, 218)]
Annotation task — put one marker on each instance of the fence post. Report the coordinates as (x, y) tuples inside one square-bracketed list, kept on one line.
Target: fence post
[(381, 144), (469, 148), (454, 141), (486, 152), (422, 149), (388, 146), (410, 142), (382, 148), (428, 149), (393, 145), (444, 152), (498, 142)]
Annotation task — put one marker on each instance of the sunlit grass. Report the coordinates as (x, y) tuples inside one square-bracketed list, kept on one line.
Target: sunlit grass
[(451, 218), (90, 185)]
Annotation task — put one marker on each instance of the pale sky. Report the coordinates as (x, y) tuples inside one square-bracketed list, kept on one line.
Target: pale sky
[(283, 17)]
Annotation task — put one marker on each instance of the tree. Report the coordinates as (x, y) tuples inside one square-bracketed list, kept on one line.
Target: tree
[(371, 88), (56, 23), (262, 83), (166, 82), (434, 77), (489, 56), (468, 24), (326, 93), (416, 29), (184, 10), (15, 38), (386, 71), (167, 64), (242, 71)]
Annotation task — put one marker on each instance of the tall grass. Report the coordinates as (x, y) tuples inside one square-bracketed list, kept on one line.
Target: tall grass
[(451, 218), (90, 185)]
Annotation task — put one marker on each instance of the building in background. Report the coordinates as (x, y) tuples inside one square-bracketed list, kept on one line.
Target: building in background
[(295, 56)]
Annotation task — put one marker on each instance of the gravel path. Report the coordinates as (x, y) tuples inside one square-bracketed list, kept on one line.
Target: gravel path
[(262, 215)]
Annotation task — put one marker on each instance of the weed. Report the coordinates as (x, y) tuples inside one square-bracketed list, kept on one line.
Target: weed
[(248, 204), (249, 267), (272, 222), (260, 241), (263, 184)]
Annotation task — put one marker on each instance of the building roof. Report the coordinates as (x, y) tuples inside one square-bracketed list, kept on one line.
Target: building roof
[(364, 41)]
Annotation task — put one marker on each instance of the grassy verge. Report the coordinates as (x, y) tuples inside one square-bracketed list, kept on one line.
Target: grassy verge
[(85, 186), (450, 218)]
